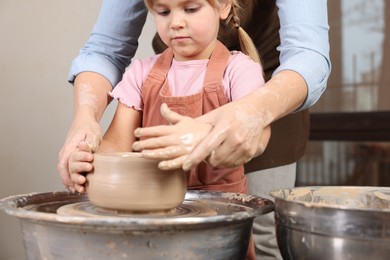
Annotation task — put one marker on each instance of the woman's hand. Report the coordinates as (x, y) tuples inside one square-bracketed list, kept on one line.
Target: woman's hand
[(171, 143), (239, 134)]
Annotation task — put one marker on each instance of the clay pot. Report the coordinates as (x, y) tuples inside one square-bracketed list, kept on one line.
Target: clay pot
[(126, 181)]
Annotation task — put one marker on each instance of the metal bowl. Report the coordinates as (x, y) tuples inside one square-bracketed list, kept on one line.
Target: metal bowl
[(335, 222), (222, 233)]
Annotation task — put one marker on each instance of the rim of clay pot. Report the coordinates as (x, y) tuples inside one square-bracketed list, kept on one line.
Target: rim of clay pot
[(121, 154)]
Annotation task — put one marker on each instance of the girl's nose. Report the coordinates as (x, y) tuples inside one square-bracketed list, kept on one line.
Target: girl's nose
[(177, 22)]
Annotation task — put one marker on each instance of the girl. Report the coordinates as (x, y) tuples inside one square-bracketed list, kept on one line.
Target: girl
[(193, 76)]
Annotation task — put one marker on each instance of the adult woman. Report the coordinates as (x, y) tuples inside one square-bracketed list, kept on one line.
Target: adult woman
[(294, 85)]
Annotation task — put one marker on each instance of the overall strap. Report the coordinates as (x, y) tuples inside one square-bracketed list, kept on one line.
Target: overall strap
[(151, 88), (214, 95), (160, 69), (216, 66)]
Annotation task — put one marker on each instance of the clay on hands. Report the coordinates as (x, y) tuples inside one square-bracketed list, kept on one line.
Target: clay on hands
[(80, 162), (238, 135), (171, 143), (90, 133)]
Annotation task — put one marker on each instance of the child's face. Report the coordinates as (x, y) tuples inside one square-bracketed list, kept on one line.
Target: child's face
[(189, 27)]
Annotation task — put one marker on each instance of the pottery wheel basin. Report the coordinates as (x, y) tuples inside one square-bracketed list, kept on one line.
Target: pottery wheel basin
[(333, 222), (207, 225)]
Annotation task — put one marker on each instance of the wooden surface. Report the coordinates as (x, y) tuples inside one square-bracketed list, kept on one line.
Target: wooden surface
[(358, 126)]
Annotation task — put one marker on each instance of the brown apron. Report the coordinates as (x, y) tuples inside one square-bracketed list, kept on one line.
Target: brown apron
[(155, 91), (290, 133)]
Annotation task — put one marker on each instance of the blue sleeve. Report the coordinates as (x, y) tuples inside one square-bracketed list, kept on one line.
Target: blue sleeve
[(113, 41), (304, 44)]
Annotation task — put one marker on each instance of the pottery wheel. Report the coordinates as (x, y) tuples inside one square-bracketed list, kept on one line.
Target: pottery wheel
[(187, 209)]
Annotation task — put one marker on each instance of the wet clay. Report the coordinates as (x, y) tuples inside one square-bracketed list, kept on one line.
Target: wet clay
[(185, 210), (126, 181), (339, 196)]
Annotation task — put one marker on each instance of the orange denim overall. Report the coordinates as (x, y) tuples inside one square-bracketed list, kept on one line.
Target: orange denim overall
[(155, 91)]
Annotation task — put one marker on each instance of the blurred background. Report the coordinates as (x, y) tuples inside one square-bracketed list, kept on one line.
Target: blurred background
[(350, 129), (350, 125), (39, 40)]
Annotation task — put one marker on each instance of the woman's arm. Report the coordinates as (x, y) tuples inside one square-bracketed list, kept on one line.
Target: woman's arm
[(297, 83), (98, 67), (113, 40), (90, 100), (304, 44), (238, 132)]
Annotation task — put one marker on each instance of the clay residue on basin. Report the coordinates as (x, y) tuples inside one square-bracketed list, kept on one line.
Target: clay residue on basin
[(338, 196)]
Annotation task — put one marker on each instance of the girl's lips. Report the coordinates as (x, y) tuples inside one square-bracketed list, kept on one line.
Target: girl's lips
[(180, 37)]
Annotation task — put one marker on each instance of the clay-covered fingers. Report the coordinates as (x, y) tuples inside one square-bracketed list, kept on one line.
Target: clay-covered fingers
[(169, 115), (173, 142), (153, 131), (62, 168), (234, 151), (80, 188), (79, 166), (93, 141), (165, 153), (226, 156), (158, 136), (205, 148), (63, 162), (173, 164), (80, 131), (161, 130), (235, 138), (80, 163), (238, 149)]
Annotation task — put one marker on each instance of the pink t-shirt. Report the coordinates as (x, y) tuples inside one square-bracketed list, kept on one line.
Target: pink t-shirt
[(242, 76)]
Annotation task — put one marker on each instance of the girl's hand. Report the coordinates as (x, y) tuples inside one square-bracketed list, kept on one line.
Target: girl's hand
[(171, 143), (88, 132), (80, 163)]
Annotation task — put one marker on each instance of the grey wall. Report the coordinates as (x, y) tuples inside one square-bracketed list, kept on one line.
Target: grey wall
[(39, 39)]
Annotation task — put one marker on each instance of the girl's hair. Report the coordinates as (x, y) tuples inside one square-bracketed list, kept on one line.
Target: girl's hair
[(232, 22)]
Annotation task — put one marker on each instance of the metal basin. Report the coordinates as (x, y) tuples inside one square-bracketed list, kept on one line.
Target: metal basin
[(333, 222), (208, 225)]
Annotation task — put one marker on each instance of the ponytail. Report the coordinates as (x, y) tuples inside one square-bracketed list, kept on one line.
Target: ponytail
[(246, 44)]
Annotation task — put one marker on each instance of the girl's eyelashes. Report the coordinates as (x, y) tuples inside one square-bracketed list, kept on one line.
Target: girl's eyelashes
[(187, 9), (162, 12), (192, 9)]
